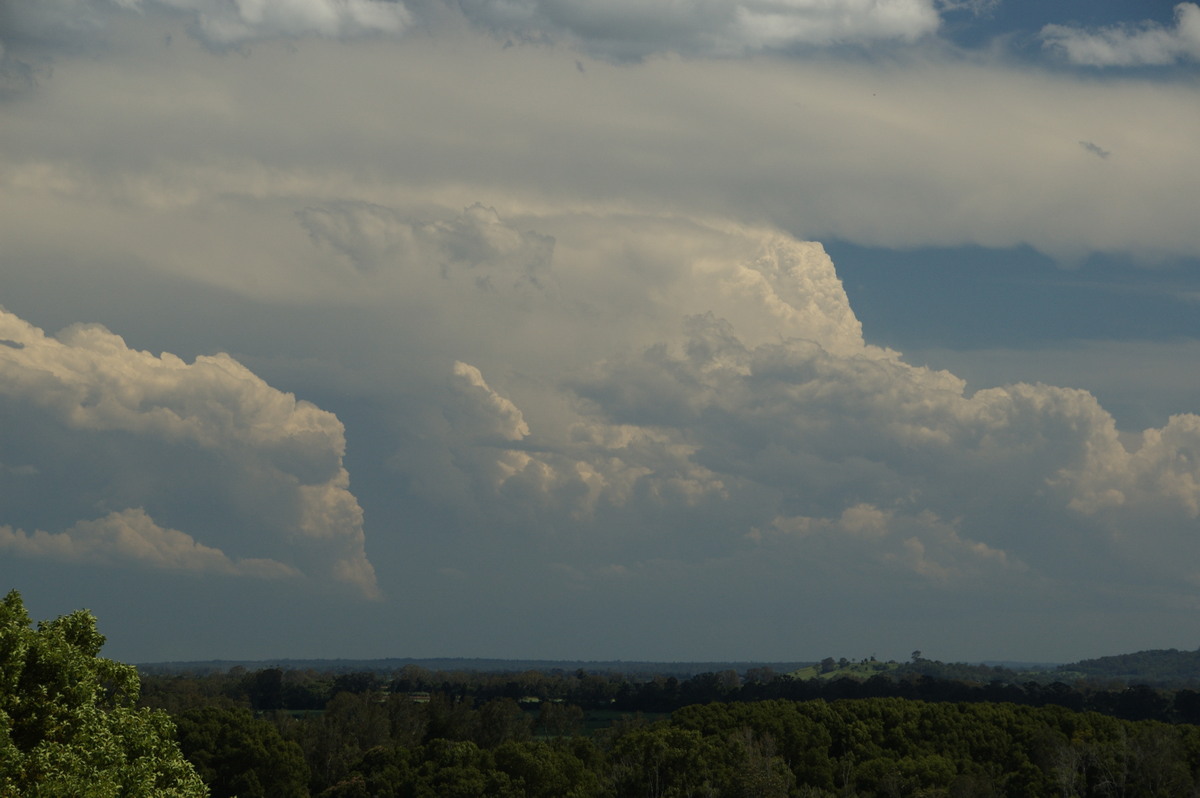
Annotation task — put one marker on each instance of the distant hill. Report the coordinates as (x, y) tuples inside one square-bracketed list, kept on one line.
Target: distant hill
[(1157, 668), (680, 670), (1167, 668)]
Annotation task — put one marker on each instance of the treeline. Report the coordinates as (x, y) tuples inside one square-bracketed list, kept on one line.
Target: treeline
[(632, 669), (290, 734), (372, 745), (774, 749), (273, 689), (1159, 667)]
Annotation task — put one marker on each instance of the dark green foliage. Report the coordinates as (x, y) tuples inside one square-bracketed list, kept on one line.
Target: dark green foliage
[(501, 720), (560, 720), (668, 761), (239, 755), (351, 725), (767, 736), (551, 770), (899, 747), (265, 689), (1158, 667)]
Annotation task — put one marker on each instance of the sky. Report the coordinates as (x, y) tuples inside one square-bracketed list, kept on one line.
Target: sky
[(685, 330)]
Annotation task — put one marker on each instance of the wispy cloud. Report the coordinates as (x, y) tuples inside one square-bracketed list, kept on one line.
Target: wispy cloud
[(631, 30), (1145, 44), (224, 24)]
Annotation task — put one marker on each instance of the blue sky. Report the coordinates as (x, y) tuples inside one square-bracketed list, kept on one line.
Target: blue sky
[(577, 329)]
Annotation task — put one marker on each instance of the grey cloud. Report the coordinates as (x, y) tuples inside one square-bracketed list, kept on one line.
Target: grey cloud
[(131, 536), (921, 544), (46, 26), (1147, 44), (976, 7), (226, 24), (156, 432), (32, 29), (595, 465), (632, 30), (651, 387), (790, 151), (486, 428), (35, 24), (476, 246)]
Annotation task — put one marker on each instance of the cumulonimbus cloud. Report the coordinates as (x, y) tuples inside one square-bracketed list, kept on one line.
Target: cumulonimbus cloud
[(173, 436), (815, 440), (1147, 44)]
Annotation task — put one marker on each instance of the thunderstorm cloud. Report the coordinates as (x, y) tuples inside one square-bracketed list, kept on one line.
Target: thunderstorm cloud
[(580, 328)]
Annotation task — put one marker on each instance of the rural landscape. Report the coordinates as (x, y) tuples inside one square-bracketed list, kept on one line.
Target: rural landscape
[(74, 723), (599, 399)]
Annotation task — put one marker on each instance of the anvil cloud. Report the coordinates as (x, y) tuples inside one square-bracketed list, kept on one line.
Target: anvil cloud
[(559, 328)]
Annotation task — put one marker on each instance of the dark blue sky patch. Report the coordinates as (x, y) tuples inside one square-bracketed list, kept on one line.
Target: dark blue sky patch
[(978, 298)]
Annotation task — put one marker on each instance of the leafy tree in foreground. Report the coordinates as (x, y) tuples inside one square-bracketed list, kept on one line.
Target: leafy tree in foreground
[(68, 720)]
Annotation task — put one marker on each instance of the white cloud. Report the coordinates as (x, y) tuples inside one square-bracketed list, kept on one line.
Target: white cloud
[(1147, 44), (1161, 475), (770, 412), (39, 26), (771, 24), (797, 432), (500, 419), (131, 536), (596, 464), (707, 27), (95, 382), (647, 369), (147, 153), (232, 22), (273, 461)]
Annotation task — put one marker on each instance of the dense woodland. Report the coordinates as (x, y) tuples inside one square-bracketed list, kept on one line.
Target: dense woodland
[(901, 731), (75, 723)]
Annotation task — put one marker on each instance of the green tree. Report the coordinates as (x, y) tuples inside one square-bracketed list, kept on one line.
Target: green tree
[(69, 724), (350, 725), (500, 720), (240, 755), (560, 720)]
